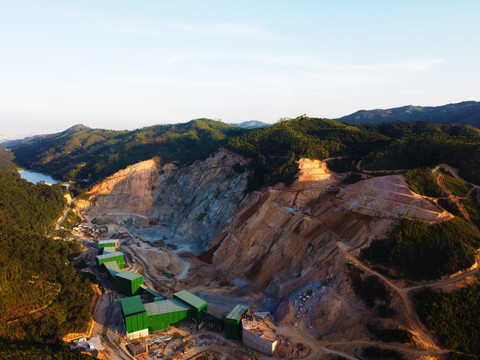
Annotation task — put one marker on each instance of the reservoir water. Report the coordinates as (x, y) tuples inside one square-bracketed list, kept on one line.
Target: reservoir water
[(36, 177)]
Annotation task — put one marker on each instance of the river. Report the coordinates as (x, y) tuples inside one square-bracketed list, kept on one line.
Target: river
[(36, 177)]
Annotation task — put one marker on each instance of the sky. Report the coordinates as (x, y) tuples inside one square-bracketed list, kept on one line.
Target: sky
[(128, 64)]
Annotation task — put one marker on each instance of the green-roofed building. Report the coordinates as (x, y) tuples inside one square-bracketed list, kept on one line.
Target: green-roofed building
[(156, 295), (233, 321), (128, 282), (116, 256), (102, 244), (163, 313), (109, 250), (112, 269), (135, 316), (197, 305)]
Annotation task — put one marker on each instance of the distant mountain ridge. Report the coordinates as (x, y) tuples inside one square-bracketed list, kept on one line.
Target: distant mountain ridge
[(463, 113), (252, 124)]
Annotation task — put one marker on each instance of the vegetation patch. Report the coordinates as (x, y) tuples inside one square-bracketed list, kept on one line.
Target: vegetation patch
[(274, 150), (456, 186), (423, 182), (35, 351), (390, 335), (473, 209), (88, 155), (27, 213), (368, 289), (343, 165), (30, 295), (450, 206), (72, 220), (417, 251), (376, 353), (453, 317)]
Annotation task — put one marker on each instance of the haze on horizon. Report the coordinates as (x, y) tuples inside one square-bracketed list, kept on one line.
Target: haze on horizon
[(125, 65)]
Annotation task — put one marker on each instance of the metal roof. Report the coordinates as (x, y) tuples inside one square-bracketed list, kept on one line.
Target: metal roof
[(128, 275), (111, 241), (112, 267), (109, 250), (237, 312), (109, 255), (165, 307), (152, 292), (190, 299), (132, 305)]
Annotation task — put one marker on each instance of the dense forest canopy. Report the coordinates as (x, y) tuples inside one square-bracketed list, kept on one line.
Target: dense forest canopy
[(454, 317), (84, 154), (467, 113), (28, 258), (418, 251), (81, 153)]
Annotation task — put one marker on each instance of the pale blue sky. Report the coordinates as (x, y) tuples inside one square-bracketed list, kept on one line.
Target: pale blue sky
[(127, 64)]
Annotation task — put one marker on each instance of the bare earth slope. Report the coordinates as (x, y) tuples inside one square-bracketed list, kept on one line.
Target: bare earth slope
[(285, 241), (185, 206)]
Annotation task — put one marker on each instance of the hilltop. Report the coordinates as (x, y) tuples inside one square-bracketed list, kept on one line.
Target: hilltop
[(84, 154), (464, 113)]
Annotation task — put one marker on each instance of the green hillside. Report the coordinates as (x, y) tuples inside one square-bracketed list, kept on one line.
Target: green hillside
[(80, 153), (466, 113), (89, 155), (33, 269)]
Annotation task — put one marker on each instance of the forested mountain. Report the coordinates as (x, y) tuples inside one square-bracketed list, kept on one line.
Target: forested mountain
[(466, 113), (35, 271), (89, 155), (396, 145), (81, 153), (252, 124)]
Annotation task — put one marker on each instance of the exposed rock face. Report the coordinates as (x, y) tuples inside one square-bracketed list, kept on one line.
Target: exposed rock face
[(390, 196), (186, 206), (286, 239), (283, 240)]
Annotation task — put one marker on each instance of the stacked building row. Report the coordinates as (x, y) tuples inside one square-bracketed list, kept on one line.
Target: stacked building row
[(141, 318), (124, 281)]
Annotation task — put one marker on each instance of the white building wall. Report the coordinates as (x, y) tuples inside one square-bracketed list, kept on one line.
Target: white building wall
[(137, 334)]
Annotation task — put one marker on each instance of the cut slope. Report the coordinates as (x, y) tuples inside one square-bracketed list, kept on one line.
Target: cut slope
[(389, 196), (185, 206)]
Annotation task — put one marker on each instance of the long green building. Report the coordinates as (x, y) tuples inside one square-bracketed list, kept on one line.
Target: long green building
[(112, 268), (128, 282), (233, 321), (197, 306), (135, 316), (102, 244), (160, 314), (116, 256)]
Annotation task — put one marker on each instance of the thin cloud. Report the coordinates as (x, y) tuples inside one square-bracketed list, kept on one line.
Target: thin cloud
[(226, 29), (158, 82), (408, 65), (121, 26)]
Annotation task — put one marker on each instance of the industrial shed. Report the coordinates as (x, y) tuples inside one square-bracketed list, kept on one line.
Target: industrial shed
[(109, 250), (135, 317), (116, 256), (196, 305), (112, 268), (156, 295), (128, 282), (233, 322), (102, 244), (163, 313)]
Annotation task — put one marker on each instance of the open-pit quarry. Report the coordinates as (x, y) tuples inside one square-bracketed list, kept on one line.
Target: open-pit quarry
[(283, 250)]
